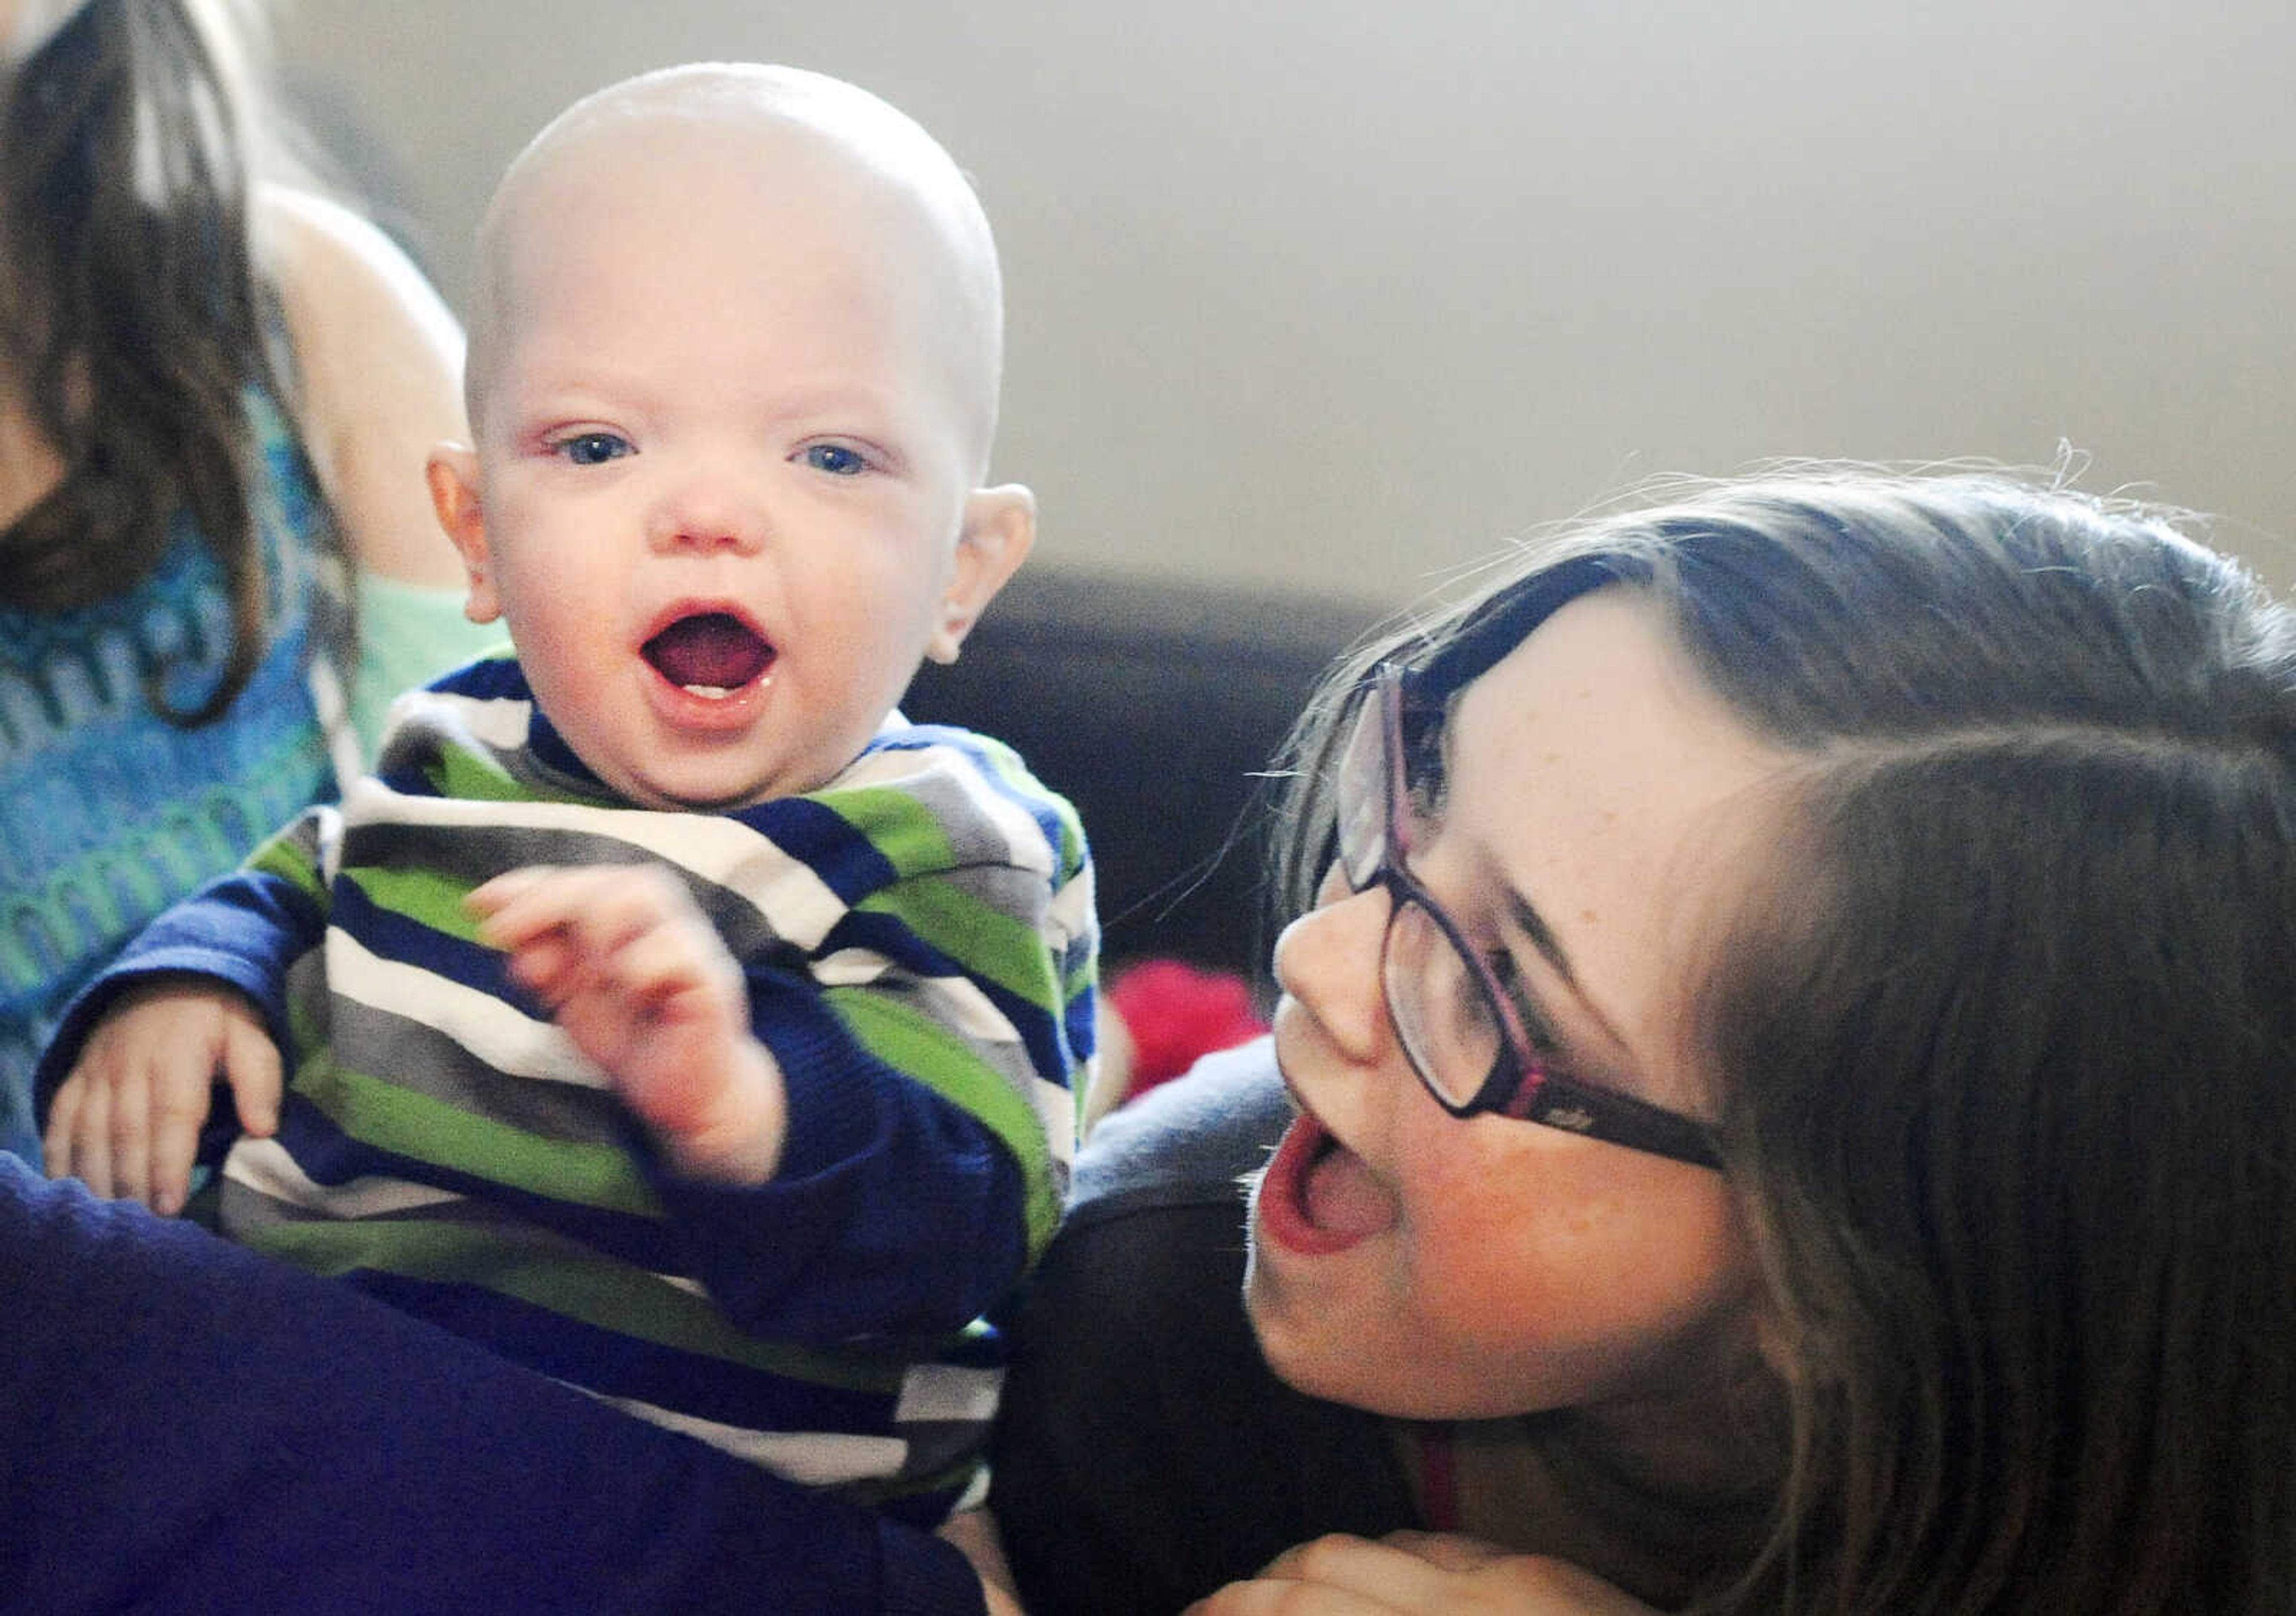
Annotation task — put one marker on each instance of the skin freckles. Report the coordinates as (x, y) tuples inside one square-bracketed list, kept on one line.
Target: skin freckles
[(1515, 1267)]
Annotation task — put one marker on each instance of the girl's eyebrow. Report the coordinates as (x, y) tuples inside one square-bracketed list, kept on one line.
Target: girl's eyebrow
[(1533, 925)]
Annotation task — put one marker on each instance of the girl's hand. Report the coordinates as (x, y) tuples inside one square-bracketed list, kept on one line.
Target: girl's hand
[(1428, 1573), (974, 1533), (636, 975)]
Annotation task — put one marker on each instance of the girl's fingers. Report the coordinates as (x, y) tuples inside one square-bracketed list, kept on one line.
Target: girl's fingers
[(1264, 1597)]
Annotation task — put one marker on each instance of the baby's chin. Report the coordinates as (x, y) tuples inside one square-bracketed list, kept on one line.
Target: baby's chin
[(699, 789), (673, 769), (707, 800)]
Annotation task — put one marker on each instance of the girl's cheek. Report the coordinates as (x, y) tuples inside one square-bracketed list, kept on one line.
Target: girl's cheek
[(1492, 1213)]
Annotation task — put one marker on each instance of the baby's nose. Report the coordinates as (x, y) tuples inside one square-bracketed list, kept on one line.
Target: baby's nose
[(708, 509)]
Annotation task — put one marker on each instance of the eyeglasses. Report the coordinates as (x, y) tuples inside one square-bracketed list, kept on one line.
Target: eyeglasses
[(1462, 1032)]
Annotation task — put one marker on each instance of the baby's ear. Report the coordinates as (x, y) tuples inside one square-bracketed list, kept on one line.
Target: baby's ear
[(453, 473), (1000, 526)]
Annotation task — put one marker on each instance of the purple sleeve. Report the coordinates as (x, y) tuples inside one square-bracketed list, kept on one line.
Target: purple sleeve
[(242, 930), (895, 1211), (187, 1426)]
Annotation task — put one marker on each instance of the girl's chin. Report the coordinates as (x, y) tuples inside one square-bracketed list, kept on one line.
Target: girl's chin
[(1315, 1342), (1317, 1196)]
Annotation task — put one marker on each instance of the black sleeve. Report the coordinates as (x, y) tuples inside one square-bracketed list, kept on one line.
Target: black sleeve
[(185, 1426), (1145, 1455)]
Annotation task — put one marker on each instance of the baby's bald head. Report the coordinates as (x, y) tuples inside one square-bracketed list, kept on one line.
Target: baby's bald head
[(756, 138)]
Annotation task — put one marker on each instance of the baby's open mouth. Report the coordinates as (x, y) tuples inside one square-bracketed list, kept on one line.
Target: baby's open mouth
[(711, 654)]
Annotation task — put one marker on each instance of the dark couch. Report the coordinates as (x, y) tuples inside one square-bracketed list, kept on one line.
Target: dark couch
[(1152, 707)]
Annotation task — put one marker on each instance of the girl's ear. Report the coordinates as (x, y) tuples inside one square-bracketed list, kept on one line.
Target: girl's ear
[(1000, 526), (453, 473)]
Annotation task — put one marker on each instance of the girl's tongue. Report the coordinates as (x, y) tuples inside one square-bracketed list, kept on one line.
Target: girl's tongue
[(712, 652), (1343, 1198), (1320, 1191)]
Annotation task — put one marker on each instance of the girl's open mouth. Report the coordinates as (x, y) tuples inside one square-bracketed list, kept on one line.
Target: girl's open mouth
[(1316, 1195), (710, 654)]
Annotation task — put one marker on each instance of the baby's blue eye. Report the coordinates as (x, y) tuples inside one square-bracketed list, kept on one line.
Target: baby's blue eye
[(836, 459), (594, 448)]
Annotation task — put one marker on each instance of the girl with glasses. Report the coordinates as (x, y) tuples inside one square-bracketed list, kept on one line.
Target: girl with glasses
[(1782, 1098)]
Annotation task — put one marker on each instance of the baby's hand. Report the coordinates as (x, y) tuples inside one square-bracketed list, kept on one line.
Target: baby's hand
[(127, 1119), (639, 980)]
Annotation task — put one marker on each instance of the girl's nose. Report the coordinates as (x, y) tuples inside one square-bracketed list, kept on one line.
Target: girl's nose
[(1329, 961)]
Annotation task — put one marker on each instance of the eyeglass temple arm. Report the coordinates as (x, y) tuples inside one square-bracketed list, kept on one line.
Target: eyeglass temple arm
[(1602, 1113)]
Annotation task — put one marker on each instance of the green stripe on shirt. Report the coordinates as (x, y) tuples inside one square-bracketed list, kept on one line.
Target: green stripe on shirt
[(616, 1297), (903, 832), (382, 1114), (994, 946), (428, 897), (914, 1043)]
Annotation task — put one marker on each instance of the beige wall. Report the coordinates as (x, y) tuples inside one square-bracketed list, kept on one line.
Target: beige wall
[(1348, 293)]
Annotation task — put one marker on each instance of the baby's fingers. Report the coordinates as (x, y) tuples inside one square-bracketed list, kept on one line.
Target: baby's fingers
[(653, 968), (130, 1141), (250, 1063), (176, 1107), (518, 902), (78, 1143), (595, 909), (64, 1117)]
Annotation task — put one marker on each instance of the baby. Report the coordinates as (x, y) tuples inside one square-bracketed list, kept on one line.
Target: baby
[(668, 1013)]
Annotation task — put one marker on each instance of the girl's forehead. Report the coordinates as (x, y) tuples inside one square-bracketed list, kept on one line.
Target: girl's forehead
[(1597, 740), (1603, 784), (1599, 690)]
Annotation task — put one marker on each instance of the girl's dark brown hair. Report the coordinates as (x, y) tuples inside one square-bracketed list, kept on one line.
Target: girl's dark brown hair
[(2005, 1039), (136, 314)]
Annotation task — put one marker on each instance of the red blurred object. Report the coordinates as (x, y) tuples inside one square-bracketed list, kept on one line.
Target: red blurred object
[(1178, 1013)]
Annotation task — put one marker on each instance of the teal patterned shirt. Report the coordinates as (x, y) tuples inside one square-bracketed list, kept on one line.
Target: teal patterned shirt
[(108, 813)]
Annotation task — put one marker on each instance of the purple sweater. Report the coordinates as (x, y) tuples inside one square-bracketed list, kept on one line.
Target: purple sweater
[(187, 1426)]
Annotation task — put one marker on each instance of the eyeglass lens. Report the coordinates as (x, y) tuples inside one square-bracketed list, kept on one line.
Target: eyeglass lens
[(1361, 794), (1439, 1006), (1441, 1014)]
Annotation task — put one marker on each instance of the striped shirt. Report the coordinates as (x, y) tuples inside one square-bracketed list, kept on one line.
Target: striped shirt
[(919, 943)]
